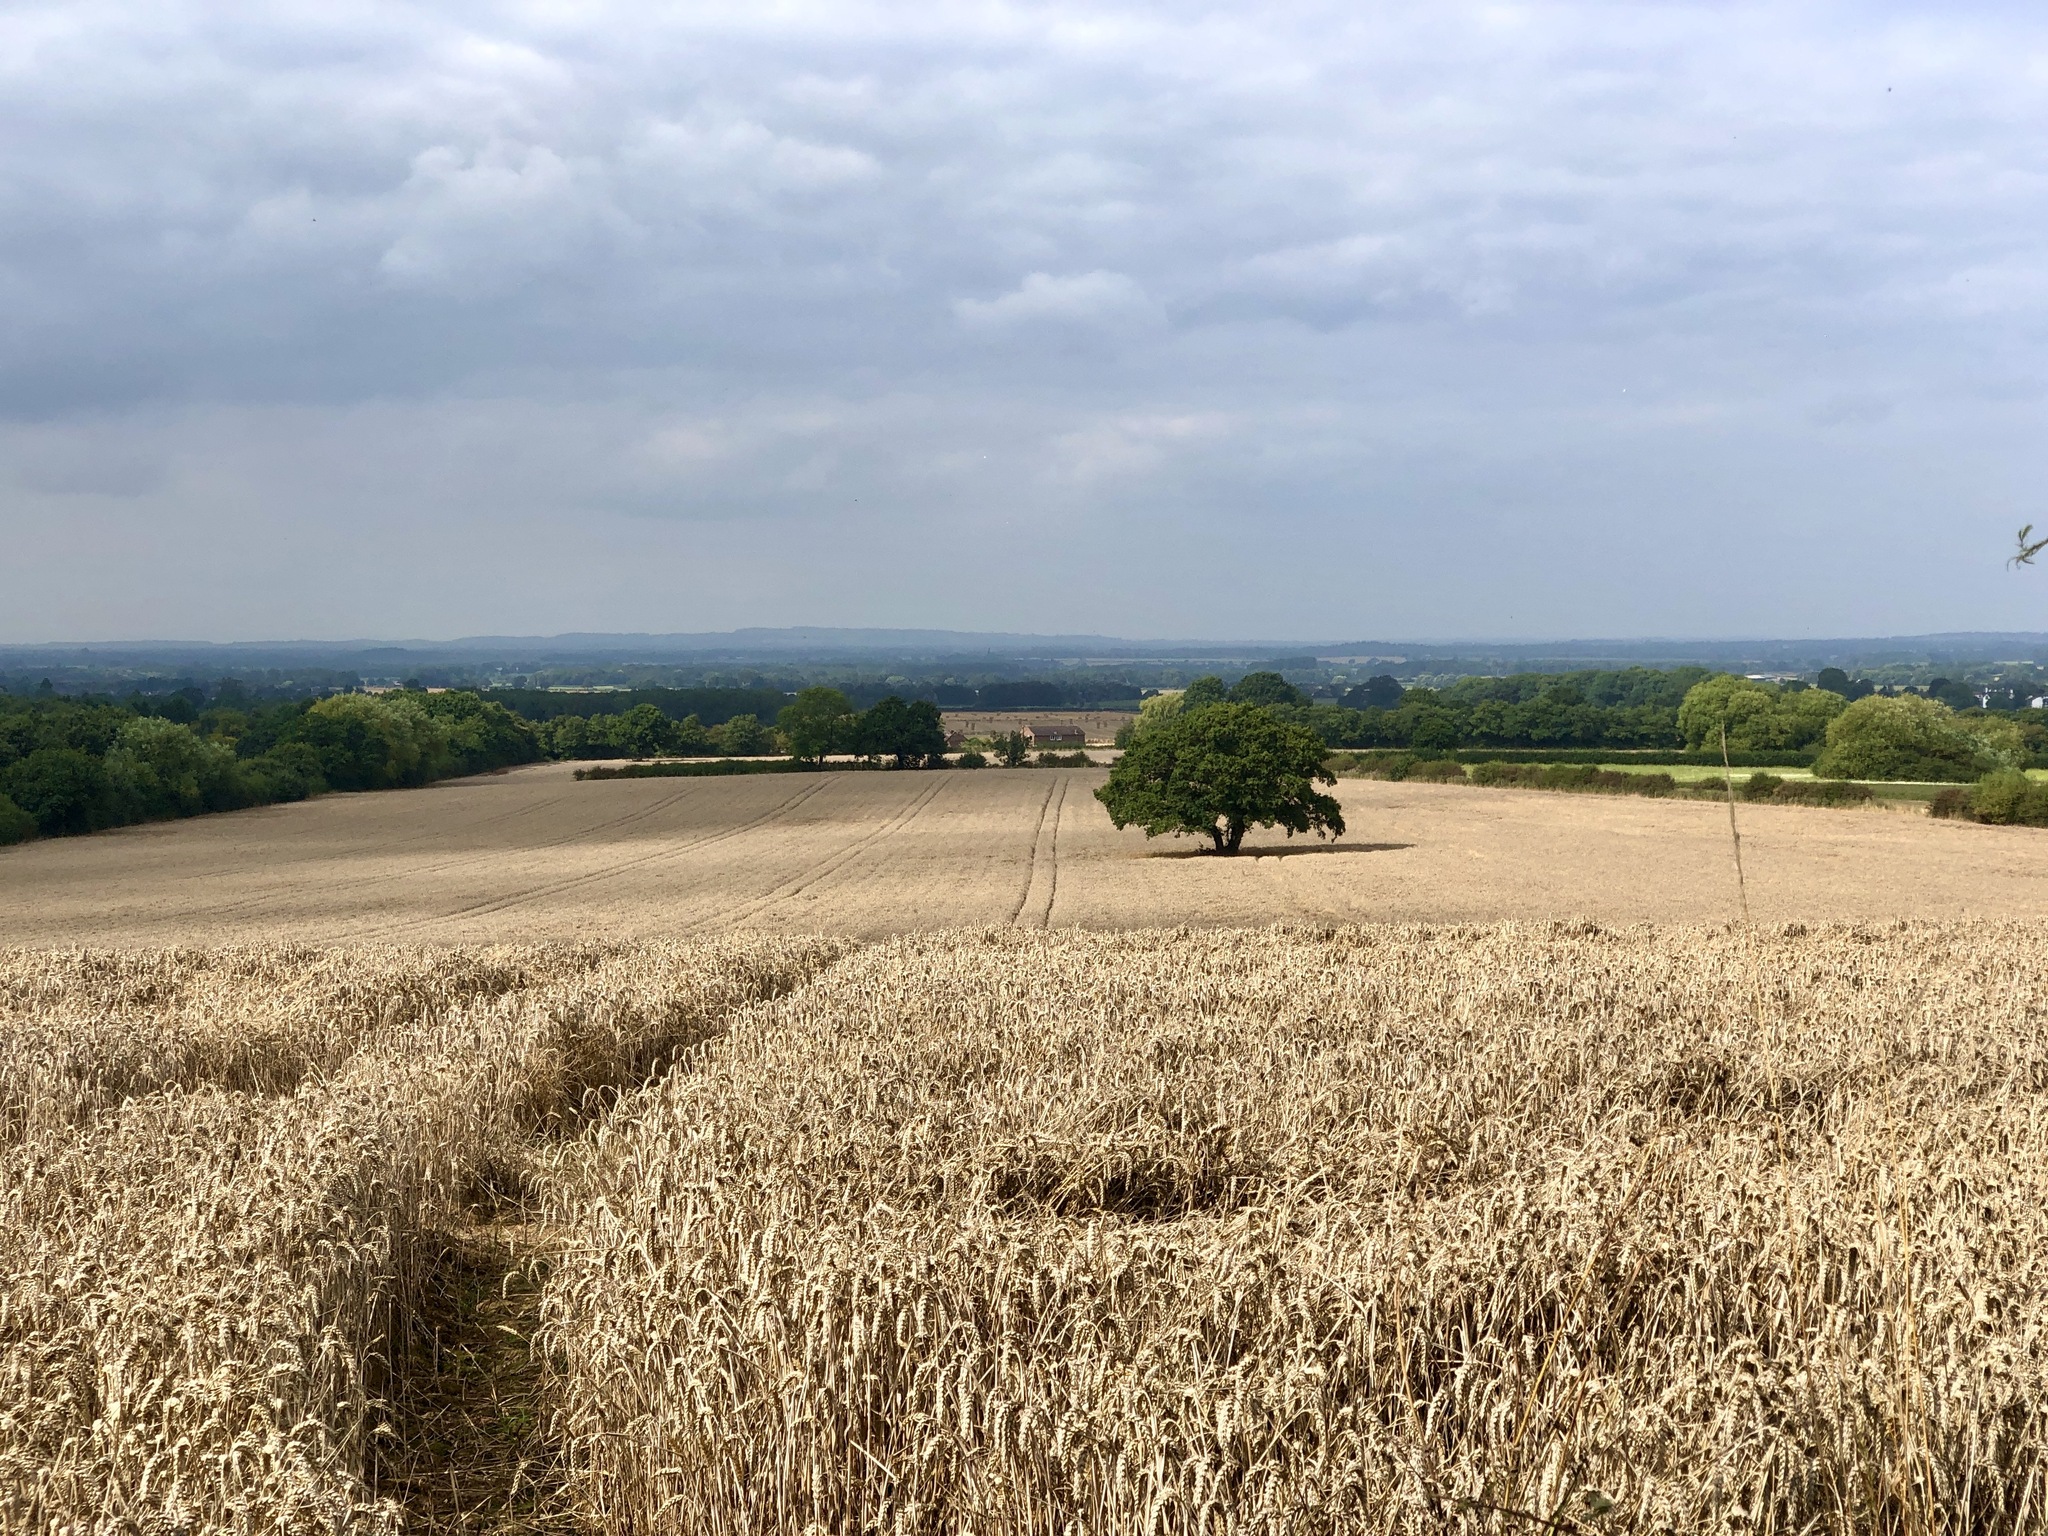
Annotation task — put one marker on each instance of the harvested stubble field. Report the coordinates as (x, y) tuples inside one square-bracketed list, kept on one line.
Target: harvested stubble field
[(533, 855), (1407, 1229)]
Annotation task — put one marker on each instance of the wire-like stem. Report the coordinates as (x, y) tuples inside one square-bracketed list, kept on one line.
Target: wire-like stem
[(1734, 834)]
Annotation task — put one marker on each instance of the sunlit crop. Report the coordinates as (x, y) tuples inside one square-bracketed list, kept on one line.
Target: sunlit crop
[(1490, 1229)]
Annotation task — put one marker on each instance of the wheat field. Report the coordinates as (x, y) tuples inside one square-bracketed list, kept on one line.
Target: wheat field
[(1481, 1228), (533, 856)]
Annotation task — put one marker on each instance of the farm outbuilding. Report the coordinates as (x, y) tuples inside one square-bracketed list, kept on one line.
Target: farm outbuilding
[(1057, 735)]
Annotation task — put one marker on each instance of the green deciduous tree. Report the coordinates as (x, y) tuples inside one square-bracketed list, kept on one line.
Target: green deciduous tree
[(644, 731), (160, 769), (481, 733), (1758, 716), (1910, 737), (817, 722), (1381, 692), (1154, 711), (1204, 690), (1219, 770), (62, 788), (1265, 688), (910, 733), (370, 741), (743, 736)]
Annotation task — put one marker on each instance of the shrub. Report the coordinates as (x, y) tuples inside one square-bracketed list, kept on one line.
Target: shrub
[(1951, 804), (1760, 786), (1393, 766), (1065, 760), (16, 825), (970, 760), (2009, 798), (1438, 770), (1573, 778), (1397, 766), (1904, 738), (1830, 792)]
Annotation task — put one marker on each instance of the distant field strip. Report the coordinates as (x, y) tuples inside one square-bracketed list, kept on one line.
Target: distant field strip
[(531, 854)]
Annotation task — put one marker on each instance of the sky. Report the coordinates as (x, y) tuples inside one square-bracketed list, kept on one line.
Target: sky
[(1277, 320)]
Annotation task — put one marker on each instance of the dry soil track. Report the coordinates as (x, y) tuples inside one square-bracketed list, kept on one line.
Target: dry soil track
[(535, 854)]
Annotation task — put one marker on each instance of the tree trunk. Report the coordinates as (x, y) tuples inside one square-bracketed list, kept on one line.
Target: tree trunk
[(1236, 836), (1216, 837)]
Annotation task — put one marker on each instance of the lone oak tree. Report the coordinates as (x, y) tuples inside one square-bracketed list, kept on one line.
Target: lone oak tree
[(1218, 770)]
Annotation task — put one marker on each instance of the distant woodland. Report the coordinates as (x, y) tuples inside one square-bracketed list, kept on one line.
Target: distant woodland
[(83, 763)]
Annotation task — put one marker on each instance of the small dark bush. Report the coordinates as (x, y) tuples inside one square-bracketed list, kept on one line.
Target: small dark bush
[(970, 760), (1394, 766), (2008, 798), (1950, 805), (1759, 786), (1065, 760), (1440, 770), (1573, 778), (1835, 792)]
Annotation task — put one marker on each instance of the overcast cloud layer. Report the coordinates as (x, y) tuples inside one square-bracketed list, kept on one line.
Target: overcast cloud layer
[(1276, 319)]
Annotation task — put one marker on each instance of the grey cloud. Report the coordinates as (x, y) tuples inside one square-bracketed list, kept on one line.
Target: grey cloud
[(1473, 299)]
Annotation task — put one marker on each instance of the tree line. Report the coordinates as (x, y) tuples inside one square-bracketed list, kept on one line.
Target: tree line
[(81, 765), (73, 765), (1631, 709)]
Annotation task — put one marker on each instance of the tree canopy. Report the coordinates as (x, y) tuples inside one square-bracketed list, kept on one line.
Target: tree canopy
[(77, 765), (1915, 738), (1265, 688), (1381, 692), (815, 723), (1758, 716), (910, 733), (1217, 770)]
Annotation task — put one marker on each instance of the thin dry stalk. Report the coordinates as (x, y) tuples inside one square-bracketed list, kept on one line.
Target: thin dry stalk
[(1734, 832)]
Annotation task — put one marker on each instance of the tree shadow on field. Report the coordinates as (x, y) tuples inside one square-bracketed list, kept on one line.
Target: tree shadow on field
[(1248, 855)]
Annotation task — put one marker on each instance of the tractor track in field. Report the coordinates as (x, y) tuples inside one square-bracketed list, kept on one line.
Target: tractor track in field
[(573, 882), (831, 864), (474, 1447), (1044, 869), (354, 882)]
